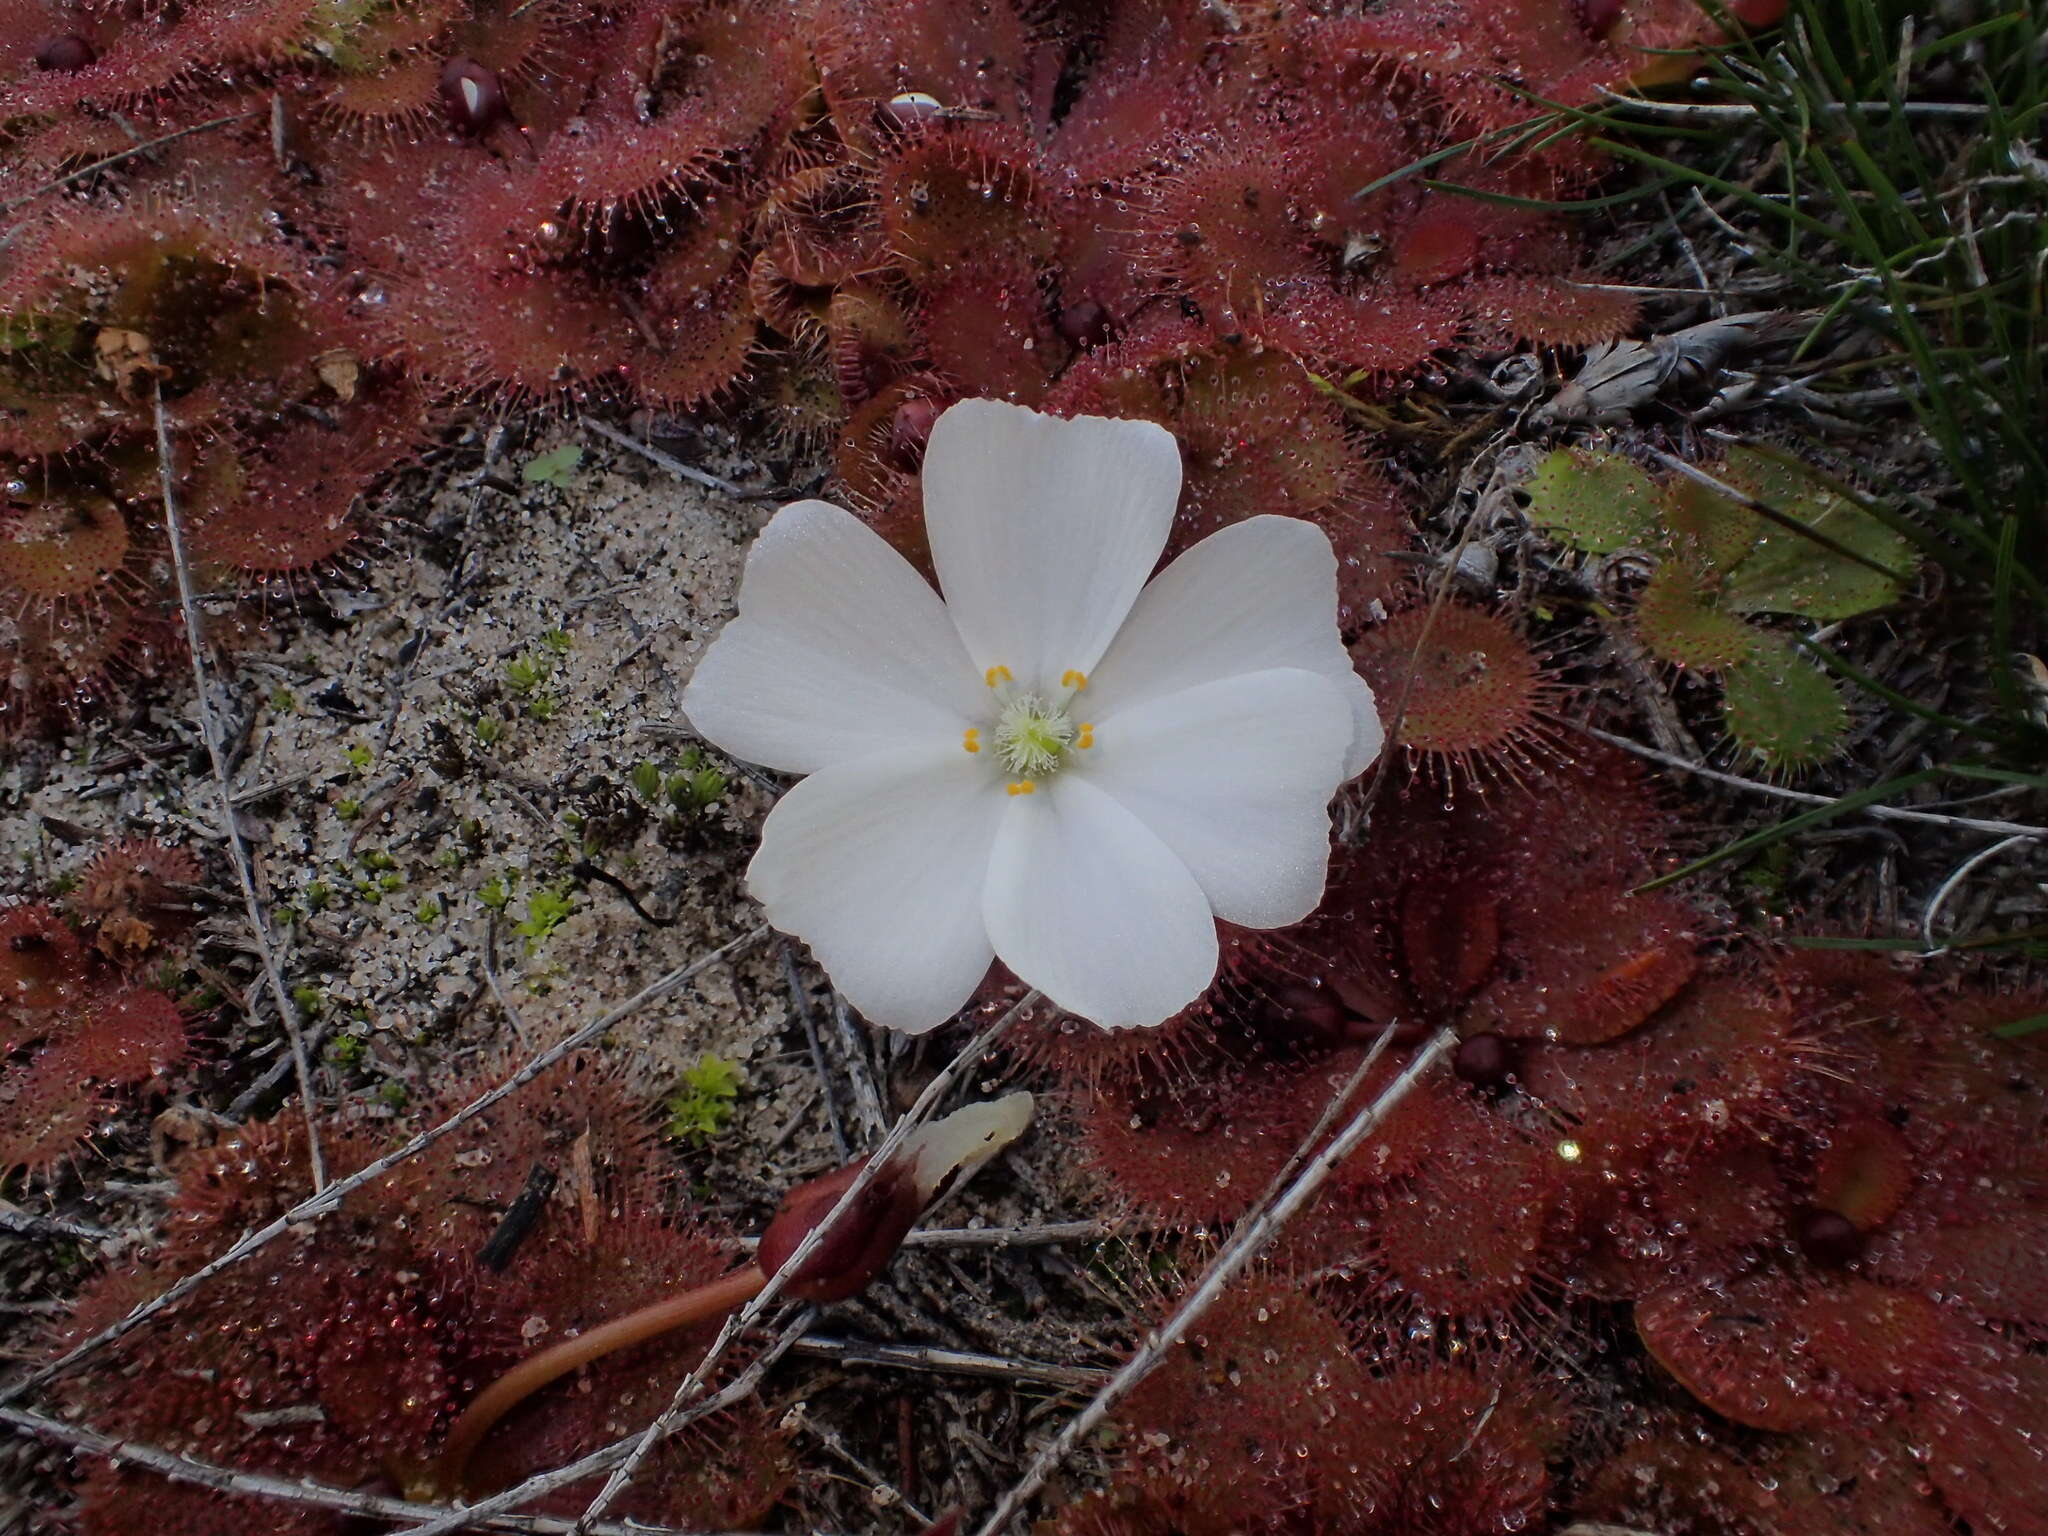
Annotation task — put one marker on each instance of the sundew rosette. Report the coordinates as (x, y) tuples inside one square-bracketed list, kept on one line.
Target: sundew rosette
[(1056, 764)]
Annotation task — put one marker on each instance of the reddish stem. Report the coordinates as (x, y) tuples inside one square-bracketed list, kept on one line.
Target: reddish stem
[(706, 1302)]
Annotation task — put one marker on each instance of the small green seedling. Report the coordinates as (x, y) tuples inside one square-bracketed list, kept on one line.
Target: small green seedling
[(428, 911), (358, 756), (556, 467), (348, 809), (692, 787), (527, 676), (496, 893), (545, 912), (703, 1106)]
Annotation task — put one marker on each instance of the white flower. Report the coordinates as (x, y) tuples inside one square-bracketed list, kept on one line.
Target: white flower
[(1058, 765)]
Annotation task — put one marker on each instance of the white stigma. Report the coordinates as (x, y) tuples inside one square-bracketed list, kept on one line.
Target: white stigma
[(1032, 736)]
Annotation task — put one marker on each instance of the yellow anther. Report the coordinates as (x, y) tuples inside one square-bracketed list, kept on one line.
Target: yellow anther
[(996, 675), (1086, 736), (1023, 787), (1078, 681), (972, 740)]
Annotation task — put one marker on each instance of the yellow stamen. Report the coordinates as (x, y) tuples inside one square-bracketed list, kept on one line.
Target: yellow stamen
[(1023, 787), (996, 675), (1087, 736), (972, 740), (1078, 681)]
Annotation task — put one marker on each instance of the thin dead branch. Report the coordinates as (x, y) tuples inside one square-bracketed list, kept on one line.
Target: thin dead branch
[(692, 1385), (231, 827), (1803, 797), (1251, 1237), (330, 1198), (301, 1492)]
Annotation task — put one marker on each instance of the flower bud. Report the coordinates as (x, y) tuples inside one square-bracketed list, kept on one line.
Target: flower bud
[(473, 96), (932, 1162), (66, 54), (910, 429)]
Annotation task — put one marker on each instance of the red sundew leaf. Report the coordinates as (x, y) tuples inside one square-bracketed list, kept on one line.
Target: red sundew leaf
[(42, 967), (1470, 691), (1887, 1343), (955, 192), (126, 1038), (975, 59), (706, 337), (1444, 1446), (1985, 1442), (1997, 1269), (1670, 1474), (47, 1108), (1722, 1202), (1862, 1482), (1723, 1054), (1242, 1406), (1548, 309), (450, 1193), (1465, 1236), (990, 332), (1587, 965), (120, 1501), (1734, 1345), (1864, 1172), (380, 1376), (820, 223), (1450, 935), (70, 550), (875, 339), (1383, 328)]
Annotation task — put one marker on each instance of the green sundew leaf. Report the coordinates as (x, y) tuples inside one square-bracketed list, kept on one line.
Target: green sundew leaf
[(1595, 502), (554, 467), (1682, 623), (1708, 531), (1785, 573), (1783, 708)]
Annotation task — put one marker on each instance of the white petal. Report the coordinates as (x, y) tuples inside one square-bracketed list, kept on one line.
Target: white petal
[(879, 866), (1256, 595), (1235, 776), (1085, 903), (840, 650), (1043, 530)]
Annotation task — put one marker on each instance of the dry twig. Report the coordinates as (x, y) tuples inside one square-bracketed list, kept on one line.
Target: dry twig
[(740, 1321), (330, 1198), (1779, 791), (231, 828), (1245, 1244)]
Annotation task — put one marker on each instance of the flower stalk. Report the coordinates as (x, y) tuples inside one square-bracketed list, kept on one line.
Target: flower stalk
[(854, 1249)]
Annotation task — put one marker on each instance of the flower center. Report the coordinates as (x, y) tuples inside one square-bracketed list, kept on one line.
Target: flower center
[(1032, 736)]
